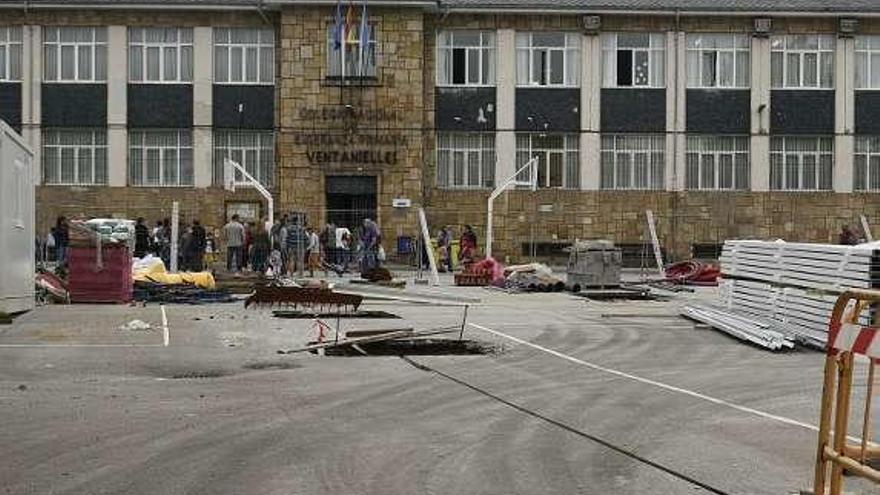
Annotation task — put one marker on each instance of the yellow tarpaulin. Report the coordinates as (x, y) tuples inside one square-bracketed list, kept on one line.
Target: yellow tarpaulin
[(156, 273)]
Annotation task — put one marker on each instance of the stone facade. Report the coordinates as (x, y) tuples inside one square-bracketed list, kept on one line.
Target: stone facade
[(390, 122), (322, 119)]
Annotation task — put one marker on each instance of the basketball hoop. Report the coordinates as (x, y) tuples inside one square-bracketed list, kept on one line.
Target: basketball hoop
[(228, 175)]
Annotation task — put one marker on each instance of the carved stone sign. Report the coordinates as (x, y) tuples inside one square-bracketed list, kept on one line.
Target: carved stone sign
[(349, 141)]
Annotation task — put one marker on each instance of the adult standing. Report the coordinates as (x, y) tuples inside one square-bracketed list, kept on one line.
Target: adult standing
[(200, 241), (313, 251), (467, 245), (369, 245), (297, 240), (62, 239), (259, 248), (444, 246), (343, 247), (141, 238), (233, 235), (184, 248)]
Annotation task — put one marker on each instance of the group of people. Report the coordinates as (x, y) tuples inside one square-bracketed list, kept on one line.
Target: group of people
[(296, 246), (192, 244), (467, 247), (286, 247)]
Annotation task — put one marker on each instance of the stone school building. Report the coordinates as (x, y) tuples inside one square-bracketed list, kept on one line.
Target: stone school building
[(726, 119)]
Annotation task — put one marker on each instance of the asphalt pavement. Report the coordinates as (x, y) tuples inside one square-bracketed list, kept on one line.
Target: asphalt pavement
[(572, 397)]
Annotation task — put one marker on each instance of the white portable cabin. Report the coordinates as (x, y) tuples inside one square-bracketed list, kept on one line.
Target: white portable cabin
[(17, 257)]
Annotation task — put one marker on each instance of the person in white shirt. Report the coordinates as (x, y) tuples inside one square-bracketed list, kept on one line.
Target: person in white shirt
[(343, 247)]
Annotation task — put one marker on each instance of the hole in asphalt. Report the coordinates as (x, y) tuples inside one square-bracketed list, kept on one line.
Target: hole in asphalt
[(415, 347), (305, 315), (199, 374), (271, 365)]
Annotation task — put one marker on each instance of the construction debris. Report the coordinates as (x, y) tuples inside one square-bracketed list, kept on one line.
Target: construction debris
[(360, 314), (307, 298), (593, 264), (480, 274), (693, 272), (778, 288), (534, 277), (748, 329), (136, 325), (183, 293)]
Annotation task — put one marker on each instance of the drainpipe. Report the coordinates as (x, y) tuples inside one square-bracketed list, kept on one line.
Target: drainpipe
[(676, 116)]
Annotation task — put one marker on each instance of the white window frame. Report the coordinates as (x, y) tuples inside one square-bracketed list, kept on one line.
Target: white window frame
[(225, 47), (528, 146), (338, 60), (95, 47), (257, 156), (94, 151), (619, 151), (527, 48), (11, 49), (782, 46), (655, 53), (465, 160), (866, 164), (484, 51), (736, 48), (867, 62), (174, 148), (179, 51), (717, 163), (785, 157)]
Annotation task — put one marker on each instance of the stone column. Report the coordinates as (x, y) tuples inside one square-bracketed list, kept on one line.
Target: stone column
[(590, 111), (676, 81), (203, 76), (31, 84), (505, 102), (117, 106), (759, 158), (844, 114)]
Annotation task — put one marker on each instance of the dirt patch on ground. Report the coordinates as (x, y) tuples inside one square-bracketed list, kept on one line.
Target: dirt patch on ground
[(415, 347)]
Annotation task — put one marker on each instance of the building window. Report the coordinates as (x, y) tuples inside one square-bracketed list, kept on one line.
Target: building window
[(10, 53), (717, 61), (717, 162), (160, 158), (75, 54), (866, 175), (158, 55), (802, 61), (558, 158), (244, 56), (801, 163), (634, 60), (465, 160), (466, 58), (867, 62), (253, 150), (548, 59), (75, 156), (633, 162), (348, 56)]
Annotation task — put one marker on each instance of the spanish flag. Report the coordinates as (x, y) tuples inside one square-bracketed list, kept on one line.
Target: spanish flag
[(350, 28)]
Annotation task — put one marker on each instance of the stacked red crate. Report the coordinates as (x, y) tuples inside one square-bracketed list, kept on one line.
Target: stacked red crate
[(109, 283)]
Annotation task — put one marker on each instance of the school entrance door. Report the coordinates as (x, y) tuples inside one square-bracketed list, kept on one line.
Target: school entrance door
[(350, 199)]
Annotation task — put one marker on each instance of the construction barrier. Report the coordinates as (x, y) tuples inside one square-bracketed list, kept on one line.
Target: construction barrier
[(846, 339)]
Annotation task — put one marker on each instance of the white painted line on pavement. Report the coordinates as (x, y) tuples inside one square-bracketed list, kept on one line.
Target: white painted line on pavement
[(647, 381), (79, 345), (166, 336)]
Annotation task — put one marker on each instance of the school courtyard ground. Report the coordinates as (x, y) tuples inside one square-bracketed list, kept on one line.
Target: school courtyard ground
[(571, 396)]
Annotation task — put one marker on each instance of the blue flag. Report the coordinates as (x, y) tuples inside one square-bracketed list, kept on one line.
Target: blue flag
[(365, 41), (338, 26)]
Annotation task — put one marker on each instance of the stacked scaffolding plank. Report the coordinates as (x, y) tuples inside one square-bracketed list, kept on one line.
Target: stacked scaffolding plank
[(773, 288)]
